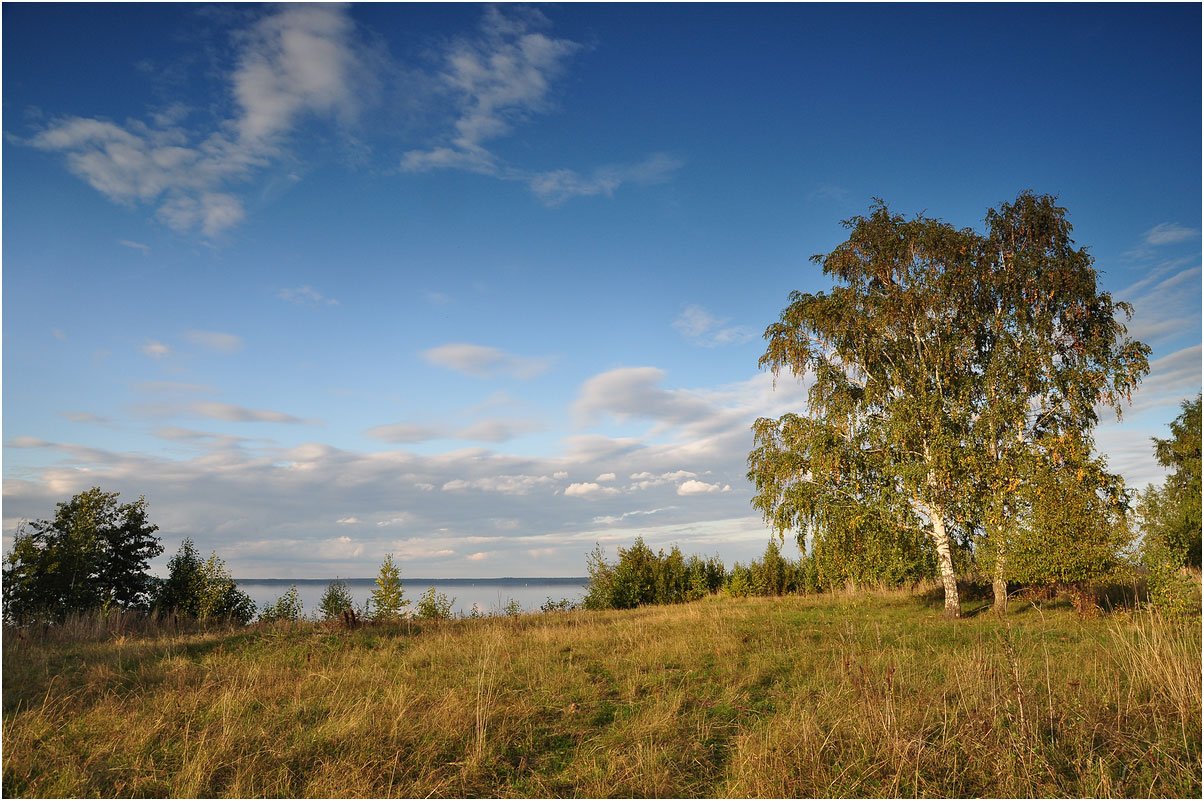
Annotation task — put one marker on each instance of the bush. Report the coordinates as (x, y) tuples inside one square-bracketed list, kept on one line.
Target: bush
[(1173, 590), (287, 608), (203, 590), (435, 606)]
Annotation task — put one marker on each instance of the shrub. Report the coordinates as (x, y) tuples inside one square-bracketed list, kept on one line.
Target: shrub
[(288, 607), (435, 605)]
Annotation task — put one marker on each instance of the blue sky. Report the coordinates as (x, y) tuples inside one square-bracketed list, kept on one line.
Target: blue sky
[(482, 286)]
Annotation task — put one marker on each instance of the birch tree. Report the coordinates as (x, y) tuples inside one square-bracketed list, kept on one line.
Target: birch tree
[(892, 396), (955, 375), (1051, 349)]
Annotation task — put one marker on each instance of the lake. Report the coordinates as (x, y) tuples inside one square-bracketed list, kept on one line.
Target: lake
[(491, 595)]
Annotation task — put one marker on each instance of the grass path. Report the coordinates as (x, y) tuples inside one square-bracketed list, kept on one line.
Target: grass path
[(791, 697)]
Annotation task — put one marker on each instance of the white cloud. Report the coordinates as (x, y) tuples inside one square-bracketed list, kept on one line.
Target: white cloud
[(135, 245), (299, 59), (698, 325), (156, 350), (605, 477), (495, 81), (85, 417), (348, 521), (610, 520), (556, 186), (1169, 233), (215, 340), (306, 295), (480, 361), (634, 392), (28, 442), (589, 489), (235, 414), (695, 487)]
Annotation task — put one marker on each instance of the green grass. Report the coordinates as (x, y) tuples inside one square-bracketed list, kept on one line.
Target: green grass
[(794, 697)]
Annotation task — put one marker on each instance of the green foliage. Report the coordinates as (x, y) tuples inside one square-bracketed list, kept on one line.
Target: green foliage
[(1074, 532), (512, 608), (336, 600), (1172, 590), (642, 577), (563, 605), (742, 583), (948, 368), (287, 608), (93, 556), (1170, 515), (204, 590), (434, 605), (388, 601)]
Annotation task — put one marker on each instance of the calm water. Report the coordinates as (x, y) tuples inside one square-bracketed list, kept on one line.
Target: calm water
[(490, 595)]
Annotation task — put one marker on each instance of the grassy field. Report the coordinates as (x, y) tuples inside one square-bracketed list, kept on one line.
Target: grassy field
[(790, 697)]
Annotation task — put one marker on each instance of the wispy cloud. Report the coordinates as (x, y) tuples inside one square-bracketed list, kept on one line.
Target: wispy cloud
[(85, 417), (481, 361), (557, 186), (156, 350), (1169, 233), (495, 80), (297, 60), (215, 340), (135, 245), (306, 295), (698, 325), (242, 414)]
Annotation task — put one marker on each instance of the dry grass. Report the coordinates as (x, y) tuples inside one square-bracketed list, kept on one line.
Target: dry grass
[(797, 697)]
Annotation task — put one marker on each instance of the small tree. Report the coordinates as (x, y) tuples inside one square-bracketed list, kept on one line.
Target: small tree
[(336, 600), (1171, 514), (388, 600), (204, 590)]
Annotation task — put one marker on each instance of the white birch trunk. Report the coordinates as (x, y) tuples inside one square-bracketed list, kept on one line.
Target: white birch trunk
[(944, 559)]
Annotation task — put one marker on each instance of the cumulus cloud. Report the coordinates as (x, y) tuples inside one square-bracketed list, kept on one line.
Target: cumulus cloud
[(635, 392), (698, 325), (696, 487), (215, 340), (589, 489), (481, 361)]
